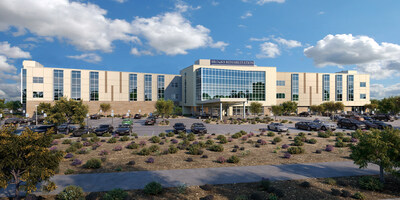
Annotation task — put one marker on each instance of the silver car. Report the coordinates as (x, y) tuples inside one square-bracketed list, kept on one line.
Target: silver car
[(277, 127), (326, 125)]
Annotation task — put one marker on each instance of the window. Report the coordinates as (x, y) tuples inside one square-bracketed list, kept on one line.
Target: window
[(185, 87), (280, 95), (94, 86), (23, 93), (339, 88), (132, 87), (325, 86), (350, 88), (147, 87), (295, 87), (37, 94), (280, 83), (160, 86), (174, 84), (363, 84), (37, 79), (214, 83), (58, 84), (76, 85), (363, 96)]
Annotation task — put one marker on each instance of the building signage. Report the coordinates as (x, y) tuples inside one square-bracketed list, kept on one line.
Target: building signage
[(232, 62)]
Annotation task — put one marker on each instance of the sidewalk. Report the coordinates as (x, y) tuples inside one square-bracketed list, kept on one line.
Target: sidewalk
[(201, 176)]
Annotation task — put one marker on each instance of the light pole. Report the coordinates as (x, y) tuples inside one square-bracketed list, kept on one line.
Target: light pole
[(112, 117), (87, 119), (36, 114)]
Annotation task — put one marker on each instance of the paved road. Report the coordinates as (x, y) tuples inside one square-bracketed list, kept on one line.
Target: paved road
[(222, 175)]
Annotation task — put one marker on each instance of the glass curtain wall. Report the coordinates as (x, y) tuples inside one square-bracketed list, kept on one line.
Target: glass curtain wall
[(94, 86), (58, 84), (339, 88), (160, 86), (350, 88), (225, 83), (23, 93), (295, 87), (326, 87), (147, 87), (132, 87), (76, 85)]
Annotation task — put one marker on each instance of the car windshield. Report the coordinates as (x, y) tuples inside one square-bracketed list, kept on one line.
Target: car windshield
[(103, 126), (279, 124), (124, 126), (198, 125), (179, 124)]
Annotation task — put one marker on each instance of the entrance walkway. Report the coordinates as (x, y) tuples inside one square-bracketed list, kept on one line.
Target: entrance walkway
[(201, 176)]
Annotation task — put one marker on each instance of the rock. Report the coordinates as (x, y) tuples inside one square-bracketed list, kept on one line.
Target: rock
[(132, 162), (206, 187)]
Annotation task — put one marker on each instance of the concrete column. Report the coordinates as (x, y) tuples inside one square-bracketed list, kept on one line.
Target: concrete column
[(244, 110), (220, 111)]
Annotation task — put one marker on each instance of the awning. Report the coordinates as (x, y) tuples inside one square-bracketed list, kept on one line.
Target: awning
[(223, 100)]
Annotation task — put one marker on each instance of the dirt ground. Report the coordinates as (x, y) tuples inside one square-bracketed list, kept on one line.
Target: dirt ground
[(251, 155)]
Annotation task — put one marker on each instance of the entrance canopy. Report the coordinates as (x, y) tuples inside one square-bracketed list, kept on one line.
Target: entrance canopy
[(223, 100)]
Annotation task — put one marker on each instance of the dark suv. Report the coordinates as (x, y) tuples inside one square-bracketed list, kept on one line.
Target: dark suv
[(308, 126), (150, 121), (104, 128), (350, 124), (305, 114), (198, 128), (179, 127), (383, 117)]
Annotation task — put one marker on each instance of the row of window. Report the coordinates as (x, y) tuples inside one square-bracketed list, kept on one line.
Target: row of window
[(282, 96)]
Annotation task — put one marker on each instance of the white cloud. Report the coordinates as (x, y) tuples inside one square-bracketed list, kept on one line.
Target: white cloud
[(87, 57), (12, 52), (215, 3), (263, 39), (287, 43), (268, 50), (10, 91), (121, 1), (137, 52), (173, 34), (379, 91), (242, 26), (262, 2), (84, 25), (246, 15), (5, 67), (182, 6), (248, 46), (379, 60), (321, 12)]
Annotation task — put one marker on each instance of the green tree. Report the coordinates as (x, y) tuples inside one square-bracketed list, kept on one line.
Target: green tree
[(329, 106), (164, 107), (68, 110), (13, 105), (105, 107), (317, 109), (371, 106), (339, 106), (255, 108), (289, 107), (26, 159), (389, 105), (178, 110), (45, 107), (380, 147), (277, 110)]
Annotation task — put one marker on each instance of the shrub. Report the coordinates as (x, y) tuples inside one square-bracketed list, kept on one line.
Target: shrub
[(345, 193), (150, 160), (115, 194), (195, 149), (95, 139), (340, 144), (339, 134), (204, 156), (162, 135), (262, 142), (172, 149), (329, 148), (191, 136), (217, 148), (112, 140), (69, 171), (209, 142), (244, 138), (312, 141), (295, 150), (174, 141), (370, 183), (93, 163), (359, 195), (285, 146), (106, 135), (70, 149), (155, 139), (83, 151), (69, 155), (330, 181), (287, 155), (221, 160), (117, 148), (305, 184), (265, 184), (104, 153), (154, 148), (131, 163), (335, 192), (170, 134), (277, 139), (67, 141), (323, 134), (271, 134), (189, 159), (142, 143), (284, 121), (354, 140), (301, 134), (182, 135), (76, 162), (77, 145), (153, 188), (124, 138), (237, 135), (346, 139), (298, 142), (241, 148), (144, 152), (85, 144), (132, 146), (233, 159), (202, 144), (318, 151), (272, 196), (71, 192)]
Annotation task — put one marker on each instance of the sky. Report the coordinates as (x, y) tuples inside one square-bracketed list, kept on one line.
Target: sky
[(164, 36)]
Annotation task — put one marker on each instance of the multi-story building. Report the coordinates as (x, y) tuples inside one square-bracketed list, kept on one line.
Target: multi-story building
[(208, 86)]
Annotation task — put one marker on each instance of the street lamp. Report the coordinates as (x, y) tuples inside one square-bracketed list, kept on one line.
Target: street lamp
[(36, 113)]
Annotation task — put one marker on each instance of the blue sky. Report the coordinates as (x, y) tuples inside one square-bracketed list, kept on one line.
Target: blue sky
[(164, 36)]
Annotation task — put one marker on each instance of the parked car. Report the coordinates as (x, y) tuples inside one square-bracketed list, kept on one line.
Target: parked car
[(179, 127), (382, 125), (80, 131), (336, 117), (126, 116), (150, 121), (305, 114), (127, 121), (204, 116), (366, 117), (326, 125), (104, 128), (383, 117), (63, 129), (44, 128), (13, 121), (137, 116), (350, 124), (369, 124), (277, 127), (72, 128), (309, 126), (123, 129), (198, 128), (19, 131), (95, 116)]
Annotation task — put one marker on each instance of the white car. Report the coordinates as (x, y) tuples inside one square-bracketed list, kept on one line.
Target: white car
[(277, 127), (326, 125)]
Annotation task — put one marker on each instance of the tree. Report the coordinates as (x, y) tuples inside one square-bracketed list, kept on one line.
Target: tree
[(380, 147), (164, 107), (67, 110), (371, 106), (339, 106), (13, 105), (255, 108), (105, 107), (45, 107), (289, 107), (26, 159), (277, 110), (178, 110), (317, 108), (329, 106), (389, 105)]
